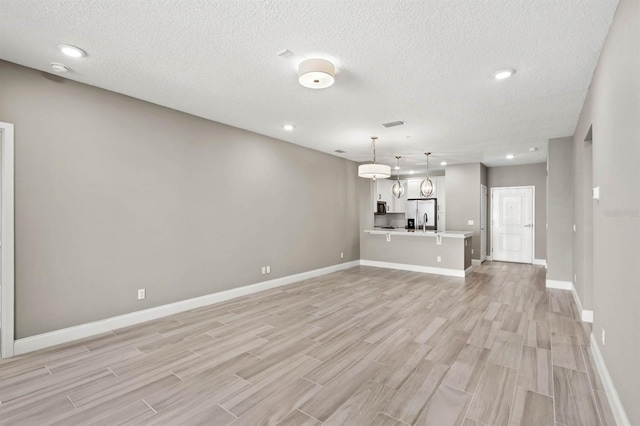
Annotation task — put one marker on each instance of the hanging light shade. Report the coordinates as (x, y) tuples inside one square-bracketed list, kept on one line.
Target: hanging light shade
[(374, 171), (397, 190), (426, 186)]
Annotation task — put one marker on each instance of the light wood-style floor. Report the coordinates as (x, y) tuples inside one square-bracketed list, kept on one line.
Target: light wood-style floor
[(365, 346)]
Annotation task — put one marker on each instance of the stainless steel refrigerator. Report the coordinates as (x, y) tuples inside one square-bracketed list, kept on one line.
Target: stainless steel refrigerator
[(420, 209)]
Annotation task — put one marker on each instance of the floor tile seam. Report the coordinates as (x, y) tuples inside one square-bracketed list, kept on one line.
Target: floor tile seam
[(148, 405)]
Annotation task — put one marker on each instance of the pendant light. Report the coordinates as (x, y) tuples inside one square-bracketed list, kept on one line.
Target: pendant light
[(397, 190), (374, 171), (426, 186)]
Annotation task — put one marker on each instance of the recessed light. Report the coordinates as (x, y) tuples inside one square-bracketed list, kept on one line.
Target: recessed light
[(532, 149), (510, 157), (502, 74), (443, 163), (396, 168), (288, 127), (73, 51), (410, 172), (60, 68)]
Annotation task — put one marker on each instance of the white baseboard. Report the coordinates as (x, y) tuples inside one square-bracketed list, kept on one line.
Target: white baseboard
[(490, 258), (560, 285), (542, 262), (53, 338), (585, 315), (609, 388), (476, 262), (414, 268), (468, 270)]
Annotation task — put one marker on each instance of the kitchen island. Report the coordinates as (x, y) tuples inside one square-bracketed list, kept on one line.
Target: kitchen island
[(444, 253)]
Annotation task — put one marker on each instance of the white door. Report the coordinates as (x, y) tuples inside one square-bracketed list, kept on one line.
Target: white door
[(483, 223), (512, 224)]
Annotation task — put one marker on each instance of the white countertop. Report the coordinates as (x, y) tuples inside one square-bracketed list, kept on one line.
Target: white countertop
[(419, 233)]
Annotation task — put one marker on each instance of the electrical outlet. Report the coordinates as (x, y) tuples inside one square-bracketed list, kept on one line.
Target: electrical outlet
[(341, 255), (596, 193), (264, 270), (471, 251), (470, 222), (574, 227), (142, 293), (439, 259), (603, 337), (268, 269), (575, 278)]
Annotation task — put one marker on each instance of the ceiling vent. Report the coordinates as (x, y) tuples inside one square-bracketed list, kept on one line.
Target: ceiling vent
[(339, 151), (394, 123)]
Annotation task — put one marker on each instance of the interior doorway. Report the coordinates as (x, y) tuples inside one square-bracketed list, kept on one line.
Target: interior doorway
[(513, 224), (7, 275)]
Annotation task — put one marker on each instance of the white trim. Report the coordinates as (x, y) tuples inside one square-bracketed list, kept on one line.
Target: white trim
[(415, 268), (8, 248), (490, 258), (468, 271), (476, 262), (33, 343), (542, 262), (559, 285), (609, 388), (587, 316)]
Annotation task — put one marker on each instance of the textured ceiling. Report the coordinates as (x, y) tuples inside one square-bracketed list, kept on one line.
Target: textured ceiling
[(429, 63)]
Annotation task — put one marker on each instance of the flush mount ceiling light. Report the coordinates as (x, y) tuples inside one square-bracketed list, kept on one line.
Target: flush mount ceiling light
[(397, 190), (502, 74), (288, 127), (316, 73), (443, 163), (374, 171), (59, 68), (426, 186), (72, 51), (510, 156)]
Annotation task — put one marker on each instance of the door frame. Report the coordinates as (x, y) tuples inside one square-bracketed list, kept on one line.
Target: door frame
[(7, 338), (533, 216), (486, 230)]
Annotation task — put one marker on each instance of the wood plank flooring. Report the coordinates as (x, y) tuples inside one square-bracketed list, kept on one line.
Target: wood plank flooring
[(364, 346)]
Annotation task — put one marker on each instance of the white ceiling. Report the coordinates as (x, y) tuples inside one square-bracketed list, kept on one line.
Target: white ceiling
[(429, 63)]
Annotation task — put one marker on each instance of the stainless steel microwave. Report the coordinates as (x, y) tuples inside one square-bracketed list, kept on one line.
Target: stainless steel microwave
[(381, 207)]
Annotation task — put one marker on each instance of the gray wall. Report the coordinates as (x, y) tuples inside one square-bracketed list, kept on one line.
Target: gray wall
[(612, 107), (463, 201), (524, 175), (560, 210), (115, 194)]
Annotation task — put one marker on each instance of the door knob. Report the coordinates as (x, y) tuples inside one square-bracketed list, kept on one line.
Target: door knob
[(528, 226)]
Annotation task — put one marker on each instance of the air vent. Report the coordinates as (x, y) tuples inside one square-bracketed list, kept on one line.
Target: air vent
[(395, 123), (285, 53), (339, 151)]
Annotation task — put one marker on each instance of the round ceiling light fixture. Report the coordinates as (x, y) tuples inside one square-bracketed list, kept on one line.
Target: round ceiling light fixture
[(316, 73), (288, 127), (443, 163), (502, 74), (72, 51), (510, 156), (59, 68), (374, 171)]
